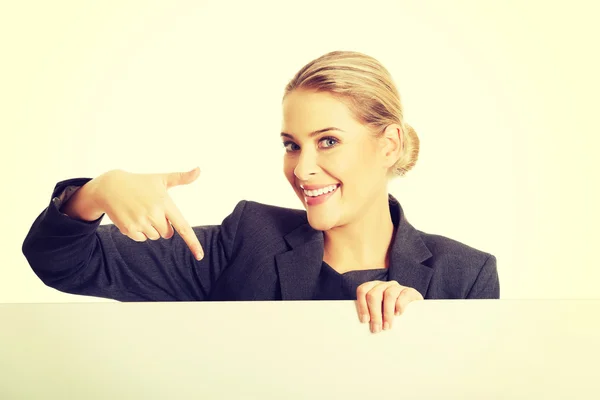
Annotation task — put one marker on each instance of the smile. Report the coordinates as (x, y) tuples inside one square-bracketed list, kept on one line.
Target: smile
[(320, 192), (315, 197)]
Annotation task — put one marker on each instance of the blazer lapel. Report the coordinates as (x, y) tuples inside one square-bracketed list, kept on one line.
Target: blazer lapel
[(407, 253), (299, 268)]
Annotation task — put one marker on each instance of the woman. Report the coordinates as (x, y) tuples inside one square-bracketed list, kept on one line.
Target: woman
[(344, 136)]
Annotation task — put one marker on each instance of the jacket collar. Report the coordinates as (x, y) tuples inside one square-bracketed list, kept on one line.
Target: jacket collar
[(299, 268)]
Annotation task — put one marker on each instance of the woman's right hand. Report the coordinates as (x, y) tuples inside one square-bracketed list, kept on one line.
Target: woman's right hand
[(138, 204)]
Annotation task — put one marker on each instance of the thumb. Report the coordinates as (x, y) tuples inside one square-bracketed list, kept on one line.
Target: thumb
[(181, 178)]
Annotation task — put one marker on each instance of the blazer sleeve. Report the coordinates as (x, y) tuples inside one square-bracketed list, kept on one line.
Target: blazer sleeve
[(86, 258), (487, 284)]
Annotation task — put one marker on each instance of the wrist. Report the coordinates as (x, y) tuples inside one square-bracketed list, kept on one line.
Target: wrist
[(82, 204)]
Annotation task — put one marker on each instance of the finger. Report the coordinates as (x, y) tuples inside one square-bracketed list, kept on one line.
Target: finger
[(170, 231), (375, 303), (181, 178), (150, 232), (184, 229), (132, 233), (389, 304), (162, 226), (361, 300), (407, 296), (137, 236)]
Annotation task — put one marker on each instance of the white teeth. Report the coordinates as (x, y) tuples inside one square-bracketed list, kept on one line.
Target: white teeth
[(319, 192)]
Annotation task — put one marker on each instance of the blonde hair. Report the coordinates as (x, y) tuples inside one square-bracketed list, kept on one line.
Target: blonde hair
[(367, 88)]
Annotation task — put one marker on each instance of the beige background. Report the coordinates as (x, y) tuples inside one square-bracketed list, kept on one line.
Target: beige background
[(502, 94)]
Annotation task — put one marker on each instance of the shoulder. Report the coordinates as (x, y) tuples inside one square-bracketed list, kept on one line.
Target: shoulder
[(459, 270), (265, 218), (449, 251), (436, 250)]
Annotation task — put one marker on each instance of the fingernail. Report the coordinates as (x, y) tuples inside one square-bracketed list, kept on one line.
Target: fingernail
[(386, 326), (199, 256), (364, 318)]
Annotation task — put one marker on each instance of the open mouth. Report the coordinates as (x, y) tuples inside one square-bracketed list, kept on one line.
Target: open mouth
[(319, 196)]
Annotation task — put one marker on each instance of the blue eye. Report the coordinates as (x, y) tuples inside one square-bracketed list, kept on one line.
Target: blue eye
[(326, 142), (290, 146), (329, 141)]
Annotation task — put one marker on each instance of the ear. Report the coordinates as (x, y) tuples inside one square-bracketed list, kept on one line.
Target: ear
[(392, 144)]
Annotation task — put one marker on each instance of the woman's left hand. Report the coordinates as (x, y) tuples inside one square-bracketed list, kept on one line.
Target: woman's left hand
[(377, 296)]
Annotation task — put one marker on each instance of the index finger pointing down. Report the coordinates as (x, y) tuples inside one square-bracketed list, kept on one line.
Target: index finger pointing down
[(184, 229)]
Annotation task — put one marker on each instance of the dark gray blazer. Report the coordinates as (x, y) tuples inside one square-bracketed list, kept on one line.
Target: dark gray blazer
[(259, 252)]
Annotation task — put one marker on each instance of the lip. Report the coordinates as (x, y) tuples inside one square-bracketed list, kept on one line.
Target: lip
[(315, 201), (317, 187)]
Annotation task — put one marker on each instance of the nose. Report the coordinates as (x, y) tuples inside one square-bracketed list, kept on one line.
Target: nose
[(307, 166)]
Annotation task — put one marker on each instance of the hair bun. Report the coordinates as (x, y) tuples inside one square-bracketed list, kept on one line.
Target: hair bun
[(410, 153)]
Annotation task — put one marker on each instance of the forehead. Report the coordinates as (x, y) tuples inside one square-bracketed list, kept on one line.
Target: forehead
[(305, 111)]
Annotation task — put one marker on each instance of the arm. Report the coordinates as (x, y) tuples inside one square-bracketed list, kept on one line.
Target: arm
[(86, 258), (487, 284)]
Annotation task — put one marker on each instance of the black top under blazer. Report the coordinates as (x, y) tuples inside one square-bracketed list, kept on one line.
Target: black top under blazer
[(259, 252)]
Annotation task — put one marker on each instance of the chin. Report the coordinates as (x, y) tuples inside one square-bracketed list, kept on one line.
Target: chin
[(321, 224)]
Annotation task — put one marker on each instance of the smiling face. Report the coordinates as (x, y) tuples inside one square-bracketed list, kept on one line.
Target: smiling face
[(328, 149)]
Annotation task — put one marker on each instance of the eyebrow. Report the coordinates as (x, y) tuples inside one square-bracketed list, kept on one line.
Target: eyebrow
[(315, 133)]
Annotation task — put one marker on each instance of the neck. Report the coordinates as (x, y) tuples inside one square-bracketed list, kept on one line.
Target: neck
[(363, 243)]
